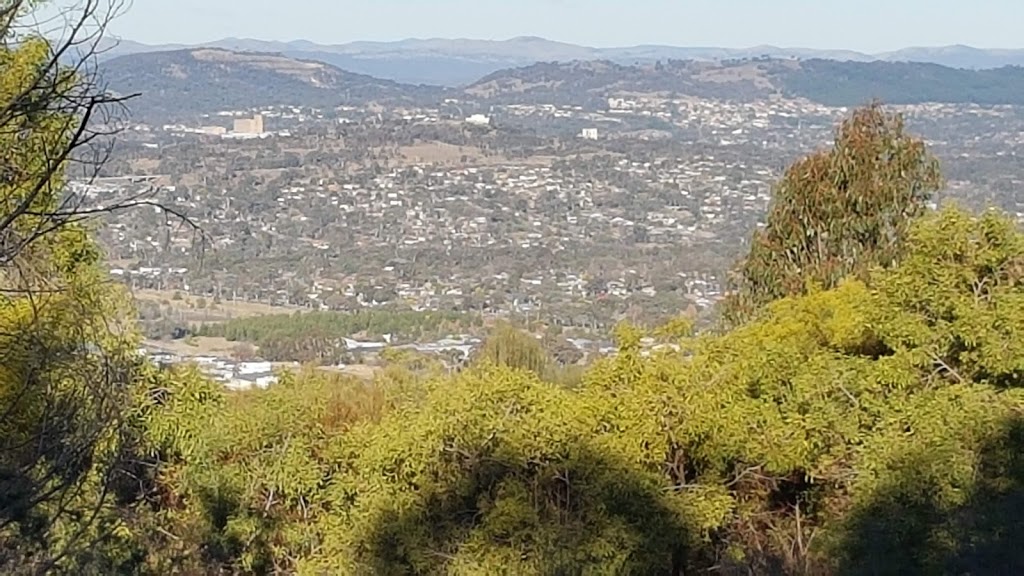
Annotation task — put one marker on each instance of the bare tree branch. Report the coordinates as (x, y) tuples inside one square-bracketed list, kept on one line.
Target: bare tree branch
[(58, 123)]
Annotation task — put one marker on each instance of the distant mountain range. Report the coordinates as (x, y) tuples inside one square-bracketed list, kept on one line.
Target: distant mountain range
[(459, 62), (182, 83)]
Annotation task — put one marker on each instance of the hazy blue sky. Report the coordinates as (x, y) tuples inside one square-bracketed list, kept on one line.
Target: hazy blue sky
[(868, 25)]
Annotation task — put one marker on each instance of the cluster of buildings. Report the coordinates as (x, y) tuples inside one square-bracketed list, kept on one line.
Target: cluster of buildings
[(455, 351), (242, 128), (232, 374), (248, 375), (614, 219)]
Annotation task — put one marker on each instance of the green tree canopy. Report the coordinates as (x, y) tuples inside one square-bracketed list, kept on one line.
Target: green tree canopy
[(508, 346), (838, 212)]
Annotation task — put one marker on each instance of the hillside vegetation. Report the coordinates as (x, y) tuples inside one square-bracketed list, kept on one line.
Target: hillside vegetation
[(829, 82), (859, 412), (457, 62), (319, 336), (852, 83), (182, 82)]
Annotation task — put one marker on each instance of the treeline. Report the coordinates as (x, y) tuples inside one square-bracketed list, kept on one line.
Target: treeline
[(318, 336)]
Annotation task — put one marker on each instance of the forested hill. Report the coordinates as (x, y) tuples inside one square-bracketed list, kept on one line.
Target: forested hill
[(852, 83), (181, 83), (828, 82), (208, 80)]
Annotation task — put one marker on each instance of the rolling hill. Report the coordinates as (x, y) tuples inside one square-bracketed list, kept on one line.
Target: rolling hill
[(828, 82), (459, 62), (592, 82), (851, 83), (182, 83)]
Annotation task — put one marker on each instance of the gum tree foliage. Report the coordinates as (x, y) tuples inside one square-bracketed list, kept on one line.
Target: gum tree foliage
[(67, 362), (870, 427), (838, 212), (508, 346)]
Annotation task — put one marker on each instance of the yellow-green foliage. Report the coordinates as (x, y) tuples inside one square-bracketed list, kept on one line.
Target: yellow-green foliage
[(68, 370), (508, 346), (497, 470), (553, 359), (788, 444), (242, 471)]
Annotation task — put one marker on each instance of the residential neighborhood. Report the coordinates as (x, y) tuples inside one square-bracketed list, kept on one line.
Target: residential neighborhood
[(579, 216)]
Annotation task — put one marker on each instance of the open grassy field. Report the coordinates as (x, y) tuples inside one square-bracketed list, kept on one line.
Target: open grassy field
[(199, 309), (199, 346), (439, 152), (195, 310), (452, 155)]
